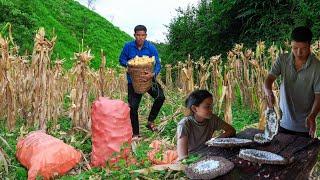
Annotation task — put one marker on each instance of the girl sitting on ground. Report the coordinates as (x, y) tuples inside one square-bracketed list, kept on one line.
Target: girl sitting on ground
[(198, 126)]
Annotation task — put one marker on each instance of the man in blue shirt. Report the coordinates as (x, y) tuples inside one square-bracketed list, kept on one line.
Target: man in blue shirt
[(141, 47)]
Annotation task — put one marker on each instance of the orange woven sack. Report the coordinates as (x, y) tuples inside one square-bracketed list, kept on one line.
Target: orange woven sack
[(45, 155), (111, 127)]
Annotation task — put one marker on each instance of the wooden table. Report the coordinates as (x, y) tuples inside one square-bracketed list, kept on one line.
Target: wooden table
[(301, 151)]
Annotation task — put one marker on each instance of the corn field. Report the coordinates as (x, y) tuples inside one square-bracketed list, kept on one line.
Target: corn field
[(34, 87)]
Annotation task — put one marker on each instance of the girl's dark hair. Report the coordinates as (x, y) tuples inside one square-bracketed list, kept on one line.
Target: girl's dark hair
[(196, 98)]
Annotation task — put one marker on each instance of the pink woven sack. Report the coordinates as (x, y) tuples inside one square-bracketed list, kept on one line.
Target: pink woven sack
[(45, 155), (111, 127)]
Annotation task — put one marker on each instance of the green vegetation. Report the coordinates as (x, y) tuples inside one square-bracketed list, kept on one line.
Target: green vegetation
[(72, 23), (213, 27)]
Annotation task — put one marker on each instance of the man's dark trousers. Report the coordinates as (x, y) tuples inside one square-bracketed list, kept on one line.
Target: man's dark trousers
[(134, 99)]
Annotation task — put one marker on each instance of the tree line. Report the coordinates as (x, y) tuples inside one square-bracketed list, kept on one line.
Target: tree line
[(213, 26)]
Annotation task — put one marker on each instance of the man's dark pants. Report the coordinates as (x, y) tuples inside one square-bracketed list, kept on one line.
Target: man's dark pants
[(286, 131), (134, 99)]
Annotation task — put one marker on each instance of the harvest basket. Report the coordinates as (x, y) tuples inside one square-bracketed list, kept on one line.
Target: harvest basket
[(136, 72)]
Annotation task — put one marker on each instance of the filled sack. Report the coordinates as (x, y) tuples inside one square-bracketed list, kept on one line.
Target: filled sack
[(110, 127), (46, 156)]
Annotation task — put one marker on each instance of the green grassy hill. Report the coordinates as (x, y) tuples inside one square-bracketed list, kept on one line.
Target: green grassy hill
[(67, 19)]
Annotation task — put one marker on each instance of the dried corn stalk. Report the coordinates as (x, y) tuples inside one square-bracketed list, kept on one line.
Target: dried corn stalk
[(168, 76), (23, 86), (216, 75), (184, 79), (190, 87), (240, 64), (228, 98), (178, 80), (57, 91), (122, 83), (7, 90), (40, 65), (111, 82), (79, 94), (203, 73), (102, 70)]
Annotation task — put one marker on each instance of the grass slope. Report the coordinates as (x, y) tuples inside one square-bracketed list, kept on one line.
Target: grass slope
[(67, 19)]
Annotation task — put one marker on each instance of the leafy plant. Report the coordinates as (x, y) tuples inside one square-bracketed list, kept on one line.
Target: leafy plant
[(190, 159), (213, 27)]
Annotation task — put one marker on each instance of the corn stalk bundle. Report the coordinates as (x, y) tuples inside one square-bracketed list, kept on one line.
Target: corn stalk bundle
[(111, 82), (227, 89), (204, 79), (256, 80), (121, 84), (241, 72), (260, 49), (8, 92), (250, 82), (40, 66), (178, 80), (184, 78), (25, 87), (70, 79), (15, 72), (93, 87), (102, 75), (200, 69), (58, 89), (203, 73), (190, 86), (216, 75), (169, 76), (235, 67), (273, 52), (79, 94)]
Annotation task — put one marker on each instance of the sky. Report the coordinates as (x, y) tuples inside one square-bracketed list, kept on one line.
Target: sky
[(154, 14)]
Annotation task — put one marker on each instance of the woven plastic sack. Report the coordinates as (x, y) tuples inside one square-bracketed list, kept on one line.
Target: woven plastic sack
[(111, 127), (45, 155)]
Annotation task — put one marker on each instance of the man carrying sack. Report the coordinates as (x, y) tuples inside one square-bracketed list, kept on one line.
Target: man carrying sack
[(141, 47)]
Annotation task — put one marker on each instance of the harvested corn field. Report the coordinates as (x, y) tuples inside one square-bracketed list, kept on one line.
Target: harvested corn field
[(37, 93)]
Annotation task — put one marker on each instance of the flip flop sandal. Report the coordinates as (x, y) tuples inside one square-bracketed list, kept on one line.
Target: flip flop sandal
[(152, 127), (136, 138)]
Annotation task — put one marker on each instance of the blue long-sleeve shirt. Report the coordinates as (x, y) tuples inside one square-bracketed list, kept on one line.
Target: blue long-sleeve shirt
[(130, 50)]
